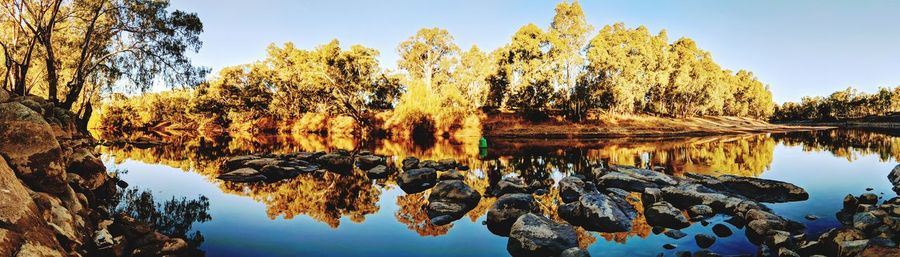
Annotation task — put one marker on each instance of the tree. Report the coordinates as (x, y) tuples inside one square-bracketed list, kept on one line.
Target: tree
[(470, 76), (568, 35), (525, 70), (94, 44), (427, 55)]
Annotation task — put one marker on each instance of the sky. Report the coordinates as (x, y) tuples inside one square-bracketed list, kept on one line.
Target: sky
[(799, 48)]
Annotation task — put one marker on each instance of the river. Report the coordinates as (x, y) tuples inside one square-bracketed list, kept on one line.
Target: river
[(174, 186)]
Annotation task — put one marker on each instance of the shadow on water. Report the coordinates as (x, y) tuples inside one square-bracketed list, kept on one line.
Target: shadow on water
[(173, 217), (329, 197)]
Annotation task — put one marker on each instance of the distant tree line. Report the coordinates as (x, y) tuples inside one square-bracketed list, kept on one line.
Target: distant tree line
[(441, 88), (841, 105)]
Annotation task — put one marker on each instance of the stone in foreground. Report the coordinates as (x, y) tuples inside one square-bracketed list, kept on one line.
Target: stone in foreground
[(533, 235)]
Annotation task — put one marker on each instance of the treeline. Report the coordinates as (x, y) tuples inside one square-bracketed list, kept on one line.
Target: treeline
[(841, 105), (72, 52), (442, 89)]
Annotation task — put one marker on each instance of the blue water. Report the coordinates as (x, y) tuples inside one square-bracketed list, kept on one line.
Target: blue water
[(240, 225)]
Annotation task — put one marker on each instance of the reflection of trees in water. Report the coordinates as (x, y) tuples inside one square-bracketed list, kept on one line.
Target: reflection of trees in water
[(849, 144), (173, 217), (412, 214), (325, 197)]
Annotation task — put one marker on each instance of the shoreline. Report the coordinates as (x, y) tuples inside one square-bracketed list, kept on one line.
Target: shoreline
[(506, 126)]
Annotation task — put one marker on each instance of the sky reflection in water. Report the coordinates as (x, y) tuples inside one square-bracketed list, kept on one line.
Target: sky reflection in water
[(331, 215)]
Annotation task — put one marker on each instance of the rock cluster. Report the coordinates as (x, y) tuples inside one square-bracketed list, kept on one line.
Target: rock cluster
[(55, 190)]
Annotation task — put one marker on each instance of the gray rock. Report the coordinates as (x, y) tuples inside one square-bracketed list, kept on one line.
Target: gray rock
[(379, 171), (700, 211), (417, 180), (507, 209), (243, 175), (664, 214), (366, 162), (674, 233), (575, 252), (451, 175), (570, 189), (757, 189), (533, 235), (336, 162), (452, 198), (599, 212), (410, 163), (634, 180), (511, 185)]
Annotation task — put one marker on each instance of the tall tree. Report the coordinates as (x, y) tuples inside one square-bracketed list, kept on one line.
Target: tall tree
[(427, 55), (568, 36)]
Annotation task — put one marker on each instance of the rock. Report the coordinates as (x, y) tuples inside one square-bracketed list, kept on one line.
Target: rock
[(4, 95), (338, 163), (634, 180), (258, 164), (668, 246), (103, 239), (880, 251), (700, 211), (687, 194), (664, 214), (431, 165), (447, 164), (657, 230), (84, 164), (869, 189), (242, 175), (451, 175), (462, 167), (757, 189), (811, 217), (894, 177), (575, 252), (785, 252), (533, 235), (24, 230), (273, 172), (599, 212), (866, 221), (570, 189), (674, 233), (868, 198), (410, 163), (704, 241), (238, 162), (30, 147), (367, 162), (379, 171), (544, 191), (504, 212), (850, 202), (417, 180), (833, 239), (852, 248), (683, 254), (721, 230), (650, 196), (511, 185), (452, 198)]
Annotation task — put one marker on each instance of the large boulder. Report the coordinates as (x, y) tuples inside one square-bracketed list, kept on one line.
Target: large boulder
[(417, 180), (379, 171), (451, 199), (24, 232), (599, 212), (92, 171), (665, 215), (688, 194), (533, 235), (504, 212), (634, 179), (409, 163), (31, 148)]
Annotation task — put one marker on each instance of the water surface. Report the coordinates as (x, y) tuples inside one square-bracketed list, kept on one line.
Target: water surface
[(332, 215)]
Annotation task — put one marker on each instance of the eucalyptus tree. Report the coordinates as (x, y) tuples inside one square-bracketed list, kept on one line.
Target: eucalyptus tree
[(427, 56)]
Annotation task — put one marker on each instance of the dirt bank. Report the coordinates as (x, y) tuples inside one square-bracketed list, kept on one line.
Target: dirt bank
[(507, 125)]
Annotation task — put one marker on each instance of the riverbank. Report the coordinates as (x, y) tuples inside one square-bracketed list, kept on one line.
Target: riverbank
[(57, 197), (507, 125), (874, 122)]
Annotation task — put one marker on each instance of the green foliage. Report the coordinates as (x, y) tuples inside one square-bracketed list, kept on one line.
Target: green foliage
[(841, 105)]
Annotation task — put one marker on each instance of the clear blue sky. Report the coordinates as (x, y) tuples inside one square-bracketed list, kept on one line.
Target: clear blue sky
[(797, 47)]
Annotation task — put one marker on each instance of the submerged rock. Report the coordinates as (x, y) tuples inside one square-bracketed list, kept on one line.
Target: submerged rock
[(417, 180), (704, 240), (675, 234), (451, 198), (599, 212), (533, 235), (504, 212), (721, 230)]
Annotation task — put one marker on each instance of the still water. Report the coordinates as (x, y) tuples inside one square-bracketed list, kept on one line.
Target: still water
[(332, 215)]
